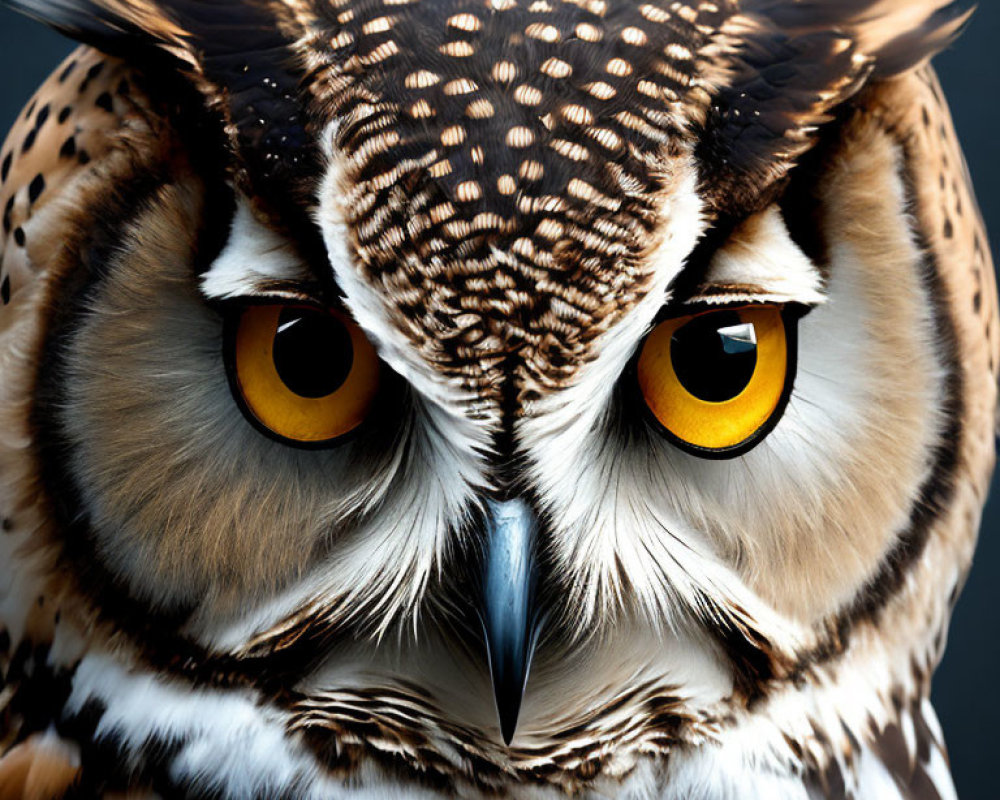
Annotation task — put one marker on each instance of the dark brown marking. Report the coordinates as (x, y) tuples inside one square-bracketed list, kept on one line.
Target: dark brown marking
[(922, 731), (36, 187), (67, 71), (892, 750), (922, 787), (92, 73)]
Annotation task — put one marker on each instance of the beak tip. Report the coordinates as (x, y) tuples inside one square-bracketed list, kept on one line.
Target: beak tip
[(508, 700), (509, 673), (508, 727)]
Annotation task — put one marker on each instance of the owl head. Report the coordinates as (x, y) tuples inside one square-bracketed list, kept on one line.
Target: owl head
[(460, 348)]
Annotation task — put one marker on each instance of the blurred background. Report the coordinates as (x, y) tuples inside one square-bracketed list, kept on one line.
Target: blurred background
[(967, 687)]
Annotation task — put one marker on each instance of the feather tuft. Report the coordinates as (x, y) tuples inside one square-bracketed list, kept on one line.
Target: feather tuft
[(791, 63), (897, 34), (115, 26), (238, 60)]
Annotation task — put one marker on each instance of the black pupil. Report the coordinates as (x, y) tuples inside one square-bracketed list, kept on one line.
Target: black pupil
[(312, 352), (715, 355)]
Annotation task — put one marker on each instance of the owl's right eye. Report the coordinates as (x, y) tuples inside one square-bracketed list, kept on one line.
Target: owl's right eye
[(306, 376)]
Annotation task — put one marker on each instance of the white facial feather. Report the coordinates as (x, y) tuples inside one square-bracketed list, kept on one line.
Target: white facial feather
[(605, 499), (760, 263), (253, 258), (567, 420), (229, 743)]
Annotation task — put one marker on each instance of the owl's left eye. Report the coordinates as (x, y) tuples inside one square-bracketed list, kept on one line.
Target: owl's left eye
[(304, 375), (716, 382)]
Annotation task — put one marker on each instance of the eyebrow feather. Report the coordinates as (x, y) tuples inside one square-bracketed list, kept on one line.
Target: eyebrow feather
[(759, 263), (257, 262)]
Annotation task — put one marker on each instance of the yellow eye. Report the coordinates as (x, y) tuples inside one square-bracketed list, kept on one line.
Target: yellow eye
[(717, 381), (304, 375)]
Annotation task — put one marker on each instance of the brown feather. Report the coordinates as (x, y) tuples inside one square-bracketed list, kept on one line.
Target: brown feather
[(43, 767)]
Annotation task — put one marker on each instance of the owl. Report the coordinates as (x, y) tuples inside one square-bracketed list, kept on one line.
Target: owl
[(469, 399)]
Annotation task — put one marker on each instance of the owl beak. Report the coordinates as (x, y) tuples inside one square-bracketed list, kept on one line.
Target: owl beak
[(508, 610)]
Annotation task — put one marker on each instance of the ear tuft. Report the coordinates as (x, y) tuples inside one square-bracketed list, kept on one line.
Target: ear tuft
[(111, 25), (791, 63), (914, 46), (239, 58), (896, 34)]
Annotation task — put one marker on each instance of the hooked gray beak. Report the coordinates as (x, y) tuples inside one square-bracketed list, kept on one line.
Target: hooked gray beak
[(508, 611)]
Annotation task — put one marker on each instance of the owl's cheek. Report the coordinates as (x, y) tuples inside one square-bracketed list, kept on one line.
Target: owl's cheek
[(807, 519), (182, 502), (165, 492), (836, 488)]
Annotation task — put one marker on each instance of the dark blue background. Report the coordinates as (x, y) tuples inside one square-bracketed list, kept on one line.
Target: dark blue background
[(966, 689)]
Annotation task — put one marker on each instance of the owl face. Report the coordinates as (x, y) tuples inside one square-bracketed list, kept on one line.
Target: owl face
[(397, 344)]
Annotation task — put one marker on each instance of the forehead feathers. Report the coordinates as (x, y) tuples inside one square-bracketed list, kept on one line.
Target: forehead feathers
[(502, 180)]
